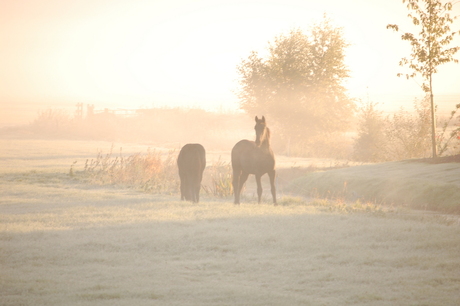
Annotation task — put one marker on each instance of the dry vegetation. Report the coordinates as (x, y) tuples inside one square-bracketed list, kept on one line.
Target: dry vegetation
[(151, 172), (68, 241), (404, 134)]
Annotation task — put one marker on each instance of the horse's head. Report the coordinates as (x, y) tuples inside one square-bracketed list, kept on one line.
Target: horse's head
[(262, 132)]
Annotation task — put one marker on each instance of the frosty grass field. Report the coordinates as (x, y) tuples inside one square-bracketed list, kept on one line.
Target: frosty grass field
[(65, 242)]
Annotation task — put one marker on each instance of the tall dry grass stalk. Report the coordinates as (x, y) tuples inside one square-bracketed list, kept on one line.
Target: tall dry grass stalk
[(220, 182), (151, 172), (154, 172)]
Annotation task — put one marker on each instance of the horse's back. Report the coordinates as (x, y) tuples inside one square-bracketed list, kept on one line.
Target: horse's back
[(243, 145), (192, 156), (191, 163), (247, 156), (241, 150)]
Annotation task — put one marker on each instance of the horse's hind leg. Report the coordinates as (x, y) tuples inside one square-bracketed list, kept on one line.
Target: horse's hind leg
[(259, 187), (182, 186), (196, 192)]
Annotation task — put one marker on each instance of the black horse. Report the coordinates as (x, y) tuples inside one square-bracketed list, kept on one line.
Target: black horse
[(254, 157), (191, 163)]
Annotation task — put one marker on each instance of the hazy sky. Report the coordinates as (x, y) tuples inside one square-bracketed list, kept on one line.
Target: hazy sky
[(135, 53)]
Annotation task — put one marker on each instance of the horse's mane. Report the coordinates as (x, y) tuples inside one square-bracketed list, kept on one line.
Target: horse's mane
[(266, 140), (268, 136)]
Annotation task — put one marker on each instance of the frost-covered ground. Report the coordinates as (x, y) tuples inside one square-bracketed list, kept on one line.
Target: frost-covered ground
[(63, 242), (419, 184)]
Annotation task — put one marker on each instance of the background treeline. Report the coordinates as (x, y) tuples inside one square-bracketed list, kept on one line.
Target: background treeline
[(166, 127), (373, 137)]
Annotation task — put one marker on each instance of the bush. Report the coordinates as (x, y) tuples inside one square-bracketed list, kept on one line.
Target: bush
[(371, 142), (409, 134), (448, 141), (402, 135), (52, 122)]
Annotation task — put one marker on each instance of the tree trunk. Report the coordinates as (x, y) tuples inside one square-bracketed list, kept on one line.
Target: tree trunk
[(433, 121)]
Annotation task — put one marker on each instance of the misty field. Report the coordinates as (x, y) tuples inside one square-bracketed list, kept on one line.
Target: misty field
[(64, 241)]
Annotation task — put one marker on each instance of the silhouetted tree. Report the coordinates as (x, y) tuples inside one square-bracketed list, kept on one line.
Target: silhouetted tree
[(429, 48), (299, 85)]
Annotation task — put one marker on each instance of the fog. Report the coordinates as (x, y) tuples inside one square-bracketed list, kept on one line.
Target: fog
[(161, 127), (80, 78), (184, 53)]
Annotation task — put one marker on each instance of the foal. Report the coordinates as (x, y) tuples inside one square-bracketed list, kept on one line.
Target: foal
[(254, 157)]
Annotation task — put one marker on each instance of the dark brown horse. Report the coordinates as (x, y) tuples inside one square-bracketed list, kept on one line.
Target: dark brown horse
[(191, 163), (254, 157)]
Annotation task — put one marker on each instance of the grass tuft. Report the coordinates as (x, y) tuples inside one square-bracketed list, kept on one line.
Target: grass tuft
[(220, 183)]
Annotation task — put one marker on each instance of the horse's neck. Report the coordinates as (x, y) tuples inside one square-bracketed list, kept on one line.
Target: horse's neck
[(265, 144)]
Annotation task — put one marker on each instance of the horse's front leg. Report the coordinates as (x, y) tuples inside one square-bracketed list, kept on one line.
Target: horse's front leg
[(259, 186), (182, 189), (236, 186), (243, 178), (239, 178), (272, 175)]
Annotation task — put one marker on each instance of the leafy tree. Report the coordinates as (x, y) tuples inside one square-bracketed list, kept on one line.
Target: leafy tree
[(299, 85), (429, 47)]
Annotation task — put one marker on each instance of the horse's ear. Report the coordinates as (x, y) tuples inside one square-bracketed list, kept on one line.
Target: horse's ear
[(257, 119), (263, 119)]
